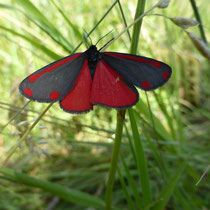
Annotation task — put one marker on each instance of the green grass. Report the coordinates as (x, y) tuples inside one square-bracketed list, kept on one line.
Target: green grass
[(165, 137)]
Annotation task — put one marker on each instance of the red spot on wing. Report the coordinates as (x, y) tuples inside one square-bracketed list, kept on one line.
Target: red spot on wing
[(28, 91), (165, 75), (54, 95), (78, 99), (145, 85), (130, 57), (34, 77), (108, 88)]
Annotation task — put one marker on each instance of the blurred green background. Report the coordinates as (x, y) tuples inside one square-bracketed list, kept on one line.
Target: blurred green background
[(74, 151)]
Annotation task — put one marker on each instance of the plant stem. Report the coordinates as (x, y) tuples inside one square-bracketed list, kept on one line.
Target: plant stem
[(124, 20), (16, 114), (133, 23), (115, 154), (137, 27), (141, 160), (96, 25), (197, 15), (24, 136)]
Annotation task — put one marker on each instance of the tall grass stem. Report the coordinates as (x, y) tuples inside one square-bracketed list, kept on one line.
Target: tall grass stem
[(115, 154), (197, 15)]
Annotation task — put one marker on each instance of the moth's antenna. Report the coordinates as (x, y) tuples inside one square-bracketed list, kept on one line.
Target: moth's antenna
[(103, 37), (106, 44)]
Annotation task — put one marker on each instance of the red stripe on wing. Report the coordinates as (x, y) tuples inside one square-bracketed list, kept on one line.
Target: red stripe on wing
[(34, 77), (136, 58)]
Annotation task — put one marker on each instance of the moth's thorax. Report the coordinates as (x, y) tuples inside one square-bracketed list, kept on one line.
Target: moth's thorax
[(92, 54), (93, 57)]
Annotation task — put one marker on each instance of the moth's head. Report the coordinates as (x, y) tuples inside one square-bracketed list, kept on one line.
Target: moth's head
[(92, 48), (92, 53)]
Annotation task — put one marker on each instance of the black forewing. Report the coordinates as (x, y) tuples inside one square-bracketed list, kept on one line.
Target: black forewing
[(145, 73), (53, 85)]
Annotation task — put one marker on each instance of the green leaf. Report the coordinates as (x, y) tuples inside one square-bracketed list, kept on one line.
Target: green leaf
[(132, 183), (166, 114), (74, 196), (34, 42), (6, 6), (143, 109), (125, 190), (168, 190), (137, 27), (71, 25), (46, 25), (156, 153), (141, 161)]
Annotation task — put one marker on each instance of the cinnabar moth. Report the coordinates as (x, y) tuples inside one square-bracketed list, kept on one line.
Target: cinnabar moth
[(82, 80)]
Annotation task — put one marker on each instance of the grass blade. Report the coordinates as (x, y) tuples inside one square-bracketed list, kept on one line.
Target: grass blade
[(71, 25), (34, 42), (128, 197), (15, 115), (75, 196), (124, 19), (137, 27), (35, 14), (130, 140), (11, 152), (166, 114), (7, 6), (143, 109), (167, 191), (115, 154), (132, 184), (197, 15), (141, 161), (156, 154), (97, 24)]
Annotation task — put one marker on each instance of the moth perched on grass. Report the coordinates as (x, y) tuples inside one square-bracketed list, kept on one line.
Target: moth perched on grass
[(82, 80)]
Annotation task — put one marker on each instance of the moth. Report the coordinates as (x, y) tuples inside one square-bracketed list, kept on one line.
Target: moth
[(82, 80)]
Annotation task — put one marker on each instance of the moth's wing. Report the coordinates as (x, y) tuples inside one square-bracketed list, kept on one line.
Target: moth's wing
[(78, 99), (109, 89), (145, 73), (53, 82)]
